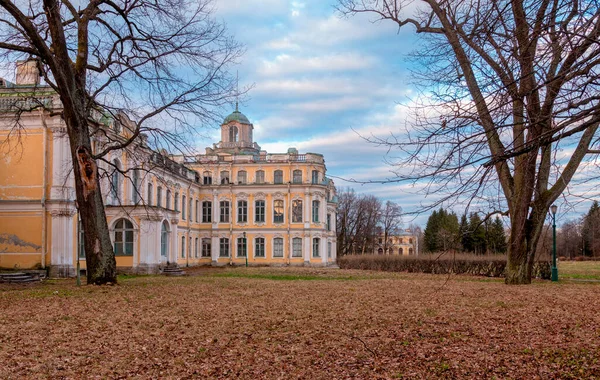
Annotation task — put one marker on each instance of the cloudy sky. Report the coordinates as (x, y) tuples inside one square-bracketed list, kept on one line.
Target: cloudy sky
[(320, 81)]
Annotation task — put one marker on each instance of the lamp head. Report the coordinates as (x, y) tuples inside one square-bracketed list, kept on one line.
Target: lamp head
[(553, 208)]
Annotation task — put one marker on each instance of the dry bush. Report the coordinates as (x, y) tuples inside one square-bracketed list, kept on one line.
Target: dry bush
[(477, 265)]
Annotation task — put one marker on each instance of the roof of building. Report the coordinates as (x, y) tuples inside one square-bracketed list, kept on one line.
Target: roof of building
[(236, 116)]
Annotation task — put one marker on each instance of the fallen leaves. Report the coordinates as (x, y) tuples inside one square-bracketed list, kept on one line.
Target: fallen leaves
[(299, 323)]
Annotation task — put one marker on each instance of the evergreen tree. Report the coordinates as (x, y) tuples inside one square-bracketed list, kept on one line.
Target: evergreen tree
[(497, 236), (442, 231), (591, 231)]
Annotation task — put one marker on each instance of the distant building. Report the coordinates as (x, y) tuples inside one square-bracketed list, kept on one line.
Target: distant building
[(402, 243), (234, 201)]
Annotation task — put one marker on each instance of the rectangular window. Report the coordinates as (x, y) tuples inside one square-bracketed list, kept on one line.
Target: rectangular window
[(80, 241), (183, 207), (242, 177), (315, 211), (242, 214), (169, 199), (224, 177), (278, 247), (297, 247), (135, 196), (241, 247), (296, 211), (315, 177), (176, 201), (207, 212), (190, 209), (183, 247), (260, 176), (278, 177), (315, 252), (224, 247), (328, 222), (159, 196), (196, 248), (224, 206), (259, 247), (297, 178), (150, 195), (206, 247), (190, 247), (207, 180), (197, 210), (259, 211), (278, 211), (329, 250)]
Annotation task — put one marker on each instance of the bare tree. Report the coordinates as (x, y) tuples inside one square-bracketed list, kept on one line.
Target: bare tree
[(357, 220), (510, 84), (391, 221), (158, 61)]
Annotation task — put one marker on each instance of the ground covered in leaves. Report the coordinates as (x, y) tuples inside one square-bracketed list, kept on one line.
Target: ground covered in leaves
[(300, 323)]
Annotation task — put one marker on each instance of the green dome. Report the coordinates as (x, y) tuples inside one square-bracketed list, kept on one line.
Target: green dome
[(237, 116)]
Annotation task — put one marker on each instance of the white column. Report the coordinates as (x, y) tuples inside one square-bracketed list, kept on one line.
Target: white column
[(174, 238), (62, 242), (307, 248), (323, 248), (214, 249)]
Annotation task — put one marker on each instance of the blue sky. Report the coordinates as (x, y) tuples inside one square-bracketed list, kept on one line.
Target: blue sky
[(318, 81)]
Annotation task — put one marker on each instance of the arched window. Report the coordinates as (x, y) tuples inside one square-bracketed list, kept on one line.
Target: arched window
[(123, 238), (241, 177), (260, 176), (297, 176), (164, 239), (278, 177), (115, 185), (233, 133), (224, 177), (380, 251)]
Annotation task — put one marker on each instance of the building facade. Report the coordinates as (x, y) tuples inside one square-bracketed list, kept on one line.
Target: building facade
[(233, 204), (403, 243)]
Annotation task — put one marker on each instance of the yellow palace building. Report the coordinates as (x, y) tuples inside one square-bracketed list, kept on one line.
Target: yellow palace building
[(233, 204)]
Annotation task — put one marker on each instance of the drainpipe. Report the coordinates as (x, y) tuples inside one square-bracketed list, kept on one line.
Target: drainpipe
[(44, 185)]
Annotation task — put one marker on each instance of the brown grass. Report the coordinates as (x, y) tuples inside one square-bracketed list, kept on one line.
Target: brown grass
[(300, 323)]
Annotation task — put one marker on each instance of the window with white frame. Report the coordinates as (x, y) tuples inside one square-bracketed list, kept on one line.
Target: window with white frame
[(278, 247), (278, 177), (241, 177), (296, 211), (315, 247), (259, 247), (168, 200), (259, 211), (224, 177), (190, 202), (329, 250), (183, 247), (206, 212), (135, 196), (150, 194), (242, 212), (123, 234), (197, 211), (297, 176), (183, 207), (328, 222), (80, 240), (223, 247), (278, 211), (196, 248), (297, 247), (224, 212), (115, 185), (176, 201), (206, 247), (316, 205), (164, 239), (190, 247), (207, 178), (241, 247), (159, 196), (315, 177), (260, 176)]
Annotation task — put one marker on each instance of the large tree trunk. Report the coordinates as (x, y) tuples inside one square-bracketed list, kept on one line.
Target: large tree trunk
[(100, 259)]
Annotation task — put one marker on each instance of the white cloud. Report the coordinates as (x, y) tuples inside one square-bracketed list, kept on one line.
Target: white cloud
[(285, 64)]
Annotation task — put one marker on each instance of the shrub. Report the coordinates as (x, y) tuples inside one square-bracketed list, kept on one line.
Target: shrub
[(489, 266)]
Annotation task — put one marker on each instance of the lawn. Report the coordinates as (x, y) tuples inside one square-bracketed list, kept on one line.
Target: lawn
[(579, 270), (300, 323)]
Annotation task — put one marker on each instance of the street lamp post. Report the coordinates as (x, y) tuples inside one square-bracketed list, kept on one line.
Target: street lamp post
[(554, 277), (245, 249)]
